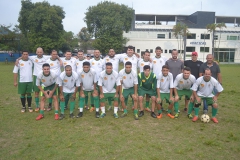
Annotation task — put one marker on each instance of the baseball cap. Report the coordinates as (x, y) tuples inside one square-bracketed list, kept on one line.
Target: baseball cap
[(194, 54)]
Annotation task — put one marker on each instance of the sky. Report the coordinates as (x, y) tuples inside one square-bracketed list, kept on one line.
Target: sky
[(75, 9)]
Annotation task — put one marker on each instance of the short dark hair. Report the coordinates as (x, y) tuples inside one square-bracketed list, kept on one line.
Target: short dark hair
[(146, 52), (108, 64), (86, 63), (45, 65), (128, 63), (130, 47), (146, 67), (158, 48), (68, 51), (80, 50), (24, 51), (187, 69), (165, 66), (174, 50), (54, 50), (68, 66)]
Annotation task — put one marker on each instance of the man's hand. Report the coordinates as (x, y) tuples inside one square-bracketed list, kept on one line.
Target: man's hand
[(172, 99), (17, 61), (101, 96), (116, 95), (198, 99), (176, 98), (61, 97), (158, 100), (215, 98), (15, 84)]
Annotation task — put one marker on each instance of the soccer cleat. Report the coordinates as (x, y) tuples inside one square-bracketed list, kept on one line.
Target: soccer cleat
[(71, 115), (40, 116), (56, 117), (141, 113), (159, 116), (30, 109), (49, 108), (185, 109), (148, 109), (36, 110), (23, 109), (190, 116), (178, 111), (80, 114), (115, 115), (153, 115), (123, 115), (91, 109), (109, 108), (86, 107), (97, 115), (176, 115), (169, 115), (65, 107), (136, 116), (102, 115), (214, 119), (61, 116), (195, 118)]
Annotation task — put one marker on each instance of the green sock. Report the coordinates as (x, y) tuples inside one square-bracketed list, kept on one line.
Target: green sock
[(92, 101), (169, 111), (190, 107), (37, 102), (160, 111), (96, 102), (126, 101), (132, 102), (42, 112), (50, 100), (81, 102), (86, 100), (125, 111), (135, 111), (62, 104), (214, 111), (72, 105), (196, 109), (109, 102), (56, 111), (176, 107), (147, 104), (66, 100)]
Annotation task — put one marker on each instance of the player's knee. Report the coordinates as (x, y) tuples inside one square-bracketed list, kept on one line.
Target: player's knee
[(82, 95), (140, 98), (215, 105), (197, 105), (153, 99)]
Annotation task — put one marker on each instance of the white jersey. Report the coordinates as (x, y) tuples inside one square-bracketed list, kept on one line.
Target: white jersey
[(165, 82), (88, 79), (97, 65), (79, 64), (134, 60), (128, 79), (46, 80), (114, 60), (180, 83), (69, 83), (109, 81), (54, 66), (205, 89), (24, 70), (142, 63), (157, 64), (71, 62), (38, 62)]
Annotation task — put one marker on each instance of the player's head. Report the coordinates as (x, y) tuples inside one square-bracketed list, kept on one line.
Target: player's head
[(158, 51), (128, 67), (54, 54), (146, 56), (146, 70), (97, 54), (39, 52), (194, 56), (174, 54), (209, 58), (130, 50), (186, 72), (46, 69), (25, 55), (86, 66), (207, 74), (68, 54), (109, 67), (111, 53), (80, 54), (165, 70), (68, 70), (88, 56)]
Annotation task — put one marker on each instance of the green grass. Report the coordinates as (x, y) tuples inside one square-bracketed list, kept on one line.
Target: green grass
[(22, 137)]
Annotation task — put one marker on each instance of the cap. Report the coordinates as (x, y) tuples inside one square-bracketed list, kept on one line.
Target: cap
[(194, 54)]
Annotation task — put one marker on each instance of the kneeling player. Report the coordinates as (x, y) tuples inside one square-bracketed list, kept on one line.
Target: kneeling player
[(109, 87), (48, 79), (202, 90), (165, 91)]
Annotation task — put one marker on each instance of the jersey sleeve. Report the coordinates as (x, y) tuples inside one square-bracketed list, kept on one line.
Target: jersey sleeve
[(38, 80), (77, 80), (118, 83), (15, 69), (158, 83), (219, 87), (135, 81), (59, 80), (95, 77), (100, 80), (120, 75), (171, 80), (195, 85), (175, 83), (154, 82)]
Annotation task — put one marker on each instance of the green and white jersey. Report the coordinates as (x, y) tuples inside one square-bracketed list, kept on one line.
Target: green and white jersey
[(114, 60), (79, 64), (46, 81), (24, 70), (142, 63), (54, 66), (134, 60), (165, 82), (69, 83), (180, 83), (109, 81), (157, 64), (71, 62), (88, 79), (205, 89), (97, 65), (38, 62), (128, 79)]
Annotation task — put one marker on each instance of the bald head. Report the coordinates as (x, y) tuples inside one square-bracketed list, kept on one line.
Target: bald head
[(39, 51), (209, 59)]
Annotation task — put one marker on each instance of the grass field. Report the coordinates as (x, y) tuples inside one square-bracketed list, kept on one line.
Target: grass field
[(22, 137)]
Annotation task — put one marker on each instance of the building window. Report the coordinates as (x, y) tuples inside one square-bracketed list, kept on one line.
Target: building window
[(215, 37), (169, 35), (205, 36), (138, 50), (162, 36), (151, 50), (165, 51), (190, 49), (170, 51), (202, 49), (232, 37), (191, 36)]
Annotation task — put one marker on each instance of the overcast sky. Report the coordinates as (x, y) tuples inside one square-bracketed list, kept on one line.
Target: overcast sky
[(75, 9)]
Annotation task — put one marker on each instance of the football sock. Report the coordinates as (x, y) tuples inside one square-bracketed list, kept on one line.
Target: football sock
[(214, 111), (190, 107), (103, 109), (23, 100), (135, 111), (169, 111), (56, 111), (41, 112), (147, 104), (125, 111), (81, 102), (159, 111), (72, 105), (62, 105), (29, 100), (115, 110), (37, 102), (176, 107), (96, 102), (196, 109)]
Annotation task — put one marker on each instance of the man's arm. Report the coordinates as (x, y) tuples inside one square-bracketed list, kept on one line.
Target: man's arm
[(219, 78), (15, 75)]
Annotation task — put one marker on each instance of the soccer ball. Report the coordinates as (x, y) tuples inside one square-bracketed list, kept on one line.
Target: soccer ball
[(205, 118)]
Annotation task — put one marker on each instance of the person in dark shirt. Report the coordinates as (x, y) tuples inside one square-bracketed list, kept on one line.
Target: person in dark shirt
[(194, 64)]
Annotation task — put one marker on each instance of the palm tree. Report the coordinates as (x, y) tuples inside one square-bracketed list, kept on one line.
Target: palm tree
[(212, 28), (185, 32), (220, 26), (177, 31)]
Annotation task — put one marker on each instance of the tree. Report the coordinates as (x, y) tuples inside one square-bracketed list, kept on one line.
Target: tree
[(106, 22), (70, 42), (212, 28), (85, 39), (177, 32), (41, 24), (220, 26)]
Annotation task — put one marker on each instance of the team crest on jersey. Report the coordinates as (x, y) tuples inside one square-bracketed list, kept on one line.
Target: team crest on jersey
[(126, 59), (124, 77), (142, 64), (105, 78), (202, 85), (92, 63), (65, 80), (77, 64), (22, 64), (154, 62), (143, 80), (82, 75), (51, 64), (162, 80), (36, 60), (65, 63), (181, 82), (43, 80), (107, 60)]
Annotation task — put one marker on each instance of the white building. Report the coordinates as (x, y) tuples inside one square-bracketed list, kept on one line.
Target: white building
[(148, 36)]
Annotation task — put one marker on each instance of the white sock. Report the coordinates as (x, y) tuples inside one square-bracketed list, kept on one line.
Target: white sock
[(115, 109), (81, 109), (103, 109), (97, 109)]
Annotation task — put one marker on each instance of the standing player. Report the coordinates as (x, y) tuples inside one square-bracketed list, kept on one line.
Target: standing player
[(202, 90), (88, 80), (48, 79), (69, 60), (165, 91), (158, 61), (80, 60), (68, 82), (23, 79), (128, 87), (109, 87), (182, 84), (147, 83)]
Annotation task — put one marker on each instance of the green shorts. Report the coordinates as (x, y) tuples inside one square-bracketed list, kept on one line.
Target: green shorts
[(185, 92), (127, 92), (50, 88), (25, 87), (111, 96), (87, 92), (165, 96), (142, 92), (209, 100), (68, 96), (35, 87)]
